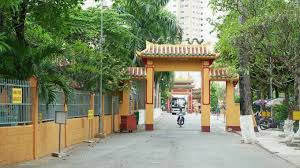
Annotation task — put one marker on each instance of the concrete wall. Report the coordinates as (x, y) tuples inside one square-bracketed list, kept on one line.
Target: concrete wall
[(16, 143), (117, 123), (48, 138)]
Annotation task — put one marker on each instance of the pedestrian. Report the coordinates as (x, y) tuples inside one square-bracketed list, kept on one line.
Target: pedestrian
[(218, 110)]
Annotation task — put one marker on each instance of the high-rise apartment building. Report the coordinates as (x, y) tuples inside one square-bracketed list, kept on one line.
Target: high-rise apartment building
[(93, 3), (194, 18)]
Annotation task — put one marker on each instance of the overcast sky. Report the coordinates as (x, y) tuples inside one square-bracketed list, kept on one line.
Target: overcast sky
[(92, 3)]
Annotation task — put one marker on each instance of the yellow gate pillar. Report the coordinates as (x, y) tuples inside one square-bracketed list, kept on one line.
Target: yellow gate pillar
[(34, 113), (149, 95), (125, 103), (205, 108), (232, 112)]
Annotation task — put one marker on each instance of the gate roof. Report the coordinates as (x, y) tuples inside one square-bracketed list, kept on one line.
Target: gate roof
[(200, 51), (137, 72), (222, 74)]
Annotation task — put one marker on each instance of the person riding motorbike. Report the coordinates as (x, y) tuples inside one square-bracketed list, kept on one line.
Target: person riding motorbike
[(180, 114)]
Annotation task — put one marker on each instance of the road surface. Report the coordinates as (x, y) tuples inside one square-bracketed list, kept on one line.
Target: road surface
[(167, 147)]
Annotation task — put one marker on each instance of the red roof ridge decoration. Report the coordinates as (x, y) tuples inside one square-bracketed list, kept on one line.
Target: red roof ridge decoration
[(177, 50)]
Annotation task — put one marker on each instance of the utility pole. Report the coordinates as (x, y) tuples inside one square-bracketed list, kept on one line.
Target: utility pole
[(271, 82), (101, 42)]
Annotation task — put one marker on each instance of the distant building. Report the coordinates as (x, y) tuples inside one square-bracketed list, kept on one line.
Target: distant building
[(93, 3), (184, 88), (193, 17)]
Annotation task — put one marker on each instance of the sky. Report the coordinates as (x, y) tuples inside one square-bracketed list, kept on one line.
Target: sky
[(92, 3), (196, 76)]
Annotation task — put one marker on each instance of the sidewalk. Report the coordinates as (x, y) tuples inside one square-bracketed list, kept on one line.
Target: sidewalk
[(270, 140)]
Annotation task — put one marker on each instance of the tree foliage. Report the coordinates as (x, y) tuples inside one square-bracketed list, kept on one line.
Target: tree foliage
[(270, 36), (58, 41)]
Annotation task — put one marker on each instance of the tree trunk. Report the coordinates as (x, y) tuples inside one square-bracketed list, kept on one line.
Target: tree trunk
[(1, 21), (286, 95), (244, 72), (20, 21), (276, 92), (247, 126), (297, 89)]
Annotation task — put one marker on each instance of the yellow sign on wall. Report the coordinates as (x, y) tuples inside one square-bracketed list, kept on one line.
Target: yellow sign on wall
[(17, 96), (91, 114), (266, 114), (296, 115)]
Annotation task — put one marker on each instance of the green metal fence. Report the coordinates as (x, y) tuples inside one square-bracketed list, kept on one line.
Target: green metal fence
[(140, 94), (15, 102), (108, 104), (97, 108), (47, 113), (116, 104), (79, 104)]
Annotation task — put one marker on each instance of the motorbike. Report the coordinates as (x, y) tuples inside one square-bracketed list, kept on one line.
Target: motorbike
[(264, 122), (180, 120)]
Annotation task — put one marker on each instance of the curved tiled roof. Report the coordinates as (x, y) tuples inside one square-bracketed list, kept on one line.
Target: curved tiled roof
[(137, 72), (180, 50), (222, 74)]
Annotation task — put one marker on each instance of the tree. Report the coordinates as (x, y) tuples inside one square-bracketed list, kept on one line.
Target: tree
[(149, 21), (57, 41)]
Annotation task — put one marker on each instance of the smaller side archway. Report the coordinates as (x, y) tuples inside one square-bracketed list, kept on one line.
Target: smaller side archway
[(232, 111)]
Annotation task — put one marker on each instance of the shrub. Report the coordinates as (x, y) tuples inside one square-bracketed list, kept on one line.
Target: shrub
[(280, 112)]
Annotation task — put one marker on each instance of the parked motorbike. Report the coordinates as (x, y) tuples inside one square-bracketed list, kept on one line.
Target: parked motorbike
[(265, 122)]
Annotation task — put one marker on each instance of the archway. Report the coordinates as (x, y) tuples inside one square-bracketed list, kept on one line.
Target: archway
[(159, 58)]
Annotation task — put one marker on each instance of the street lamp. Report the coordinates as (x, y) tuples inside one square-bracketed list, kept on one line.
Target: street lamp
[(101, 42)]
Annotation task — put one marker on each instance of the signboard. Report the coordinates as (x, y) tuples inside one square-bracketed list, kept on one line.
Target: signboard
[(266, 114), (17, 96), (60, 117), (91, 114), (296, 115)]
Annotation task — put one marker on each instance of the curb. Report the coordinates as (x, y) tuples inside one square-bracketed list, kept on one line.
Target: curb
[(269, 151), (276, 154)]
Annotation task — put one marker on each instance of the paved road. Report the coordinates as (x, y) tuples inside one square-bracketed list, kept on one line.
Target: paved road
[(168, 147)]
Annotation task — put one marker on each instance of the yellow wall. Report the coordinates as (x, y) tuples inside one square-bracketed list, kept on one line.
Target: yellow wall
[(124, 106), (48, 138), (232, 108), (107, 124), (77, 130), (16, 144), (233, 118), (108, 127), (117, 123), (177, 65)]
